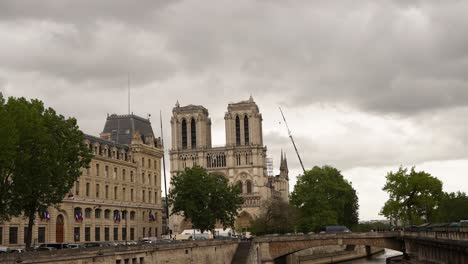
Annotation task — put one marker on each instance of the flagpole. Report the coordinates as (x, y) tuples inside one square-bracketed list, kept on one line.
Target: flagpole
[(164, 171)]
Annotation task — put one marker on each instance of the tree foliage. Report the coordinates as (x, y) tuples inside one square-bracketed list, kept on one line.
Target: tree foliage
[(277, 217), (204, 198), (453, 207), (413, 196), (323, 197), (44, 157)]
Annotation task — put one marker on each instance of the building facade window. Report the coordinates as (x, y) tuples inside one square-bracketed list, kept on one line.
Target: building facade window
[(124, 172), (131, 195), (97, 213), (239, 184), (249, 186), (87, 189), (115, 193), (184, 134), (41, 234), (97, 169), (106, 191), (97, 190), (106, 171), (1, 235), (106, 234), (238, 138), (123, 194), (76, 234), (193, 133), (143, 195), (142, 177), (116, 233), (77, 188), (97, 234), (115, 173), (124, 233), (132, 215), (107, 213), (131, 176), (132, 233), (87, 233), (88, 213), (246, 130)]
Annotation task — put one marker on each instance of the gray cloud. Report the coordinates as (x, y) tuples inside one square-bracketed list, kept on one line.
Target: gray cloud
[(402, 57), (401, 61)]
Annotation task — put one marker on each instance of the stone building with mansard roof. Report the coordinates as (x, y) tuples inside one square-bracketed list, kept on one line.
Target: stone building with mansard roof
[(117, 199), (242, 160)]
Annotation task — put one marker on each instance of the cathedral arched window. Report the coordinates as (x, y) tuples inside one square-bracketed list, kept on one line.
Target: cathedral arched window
[(239, 185), (249, 186), (184, 134), (193, 133), (246, 130), (238, 137)]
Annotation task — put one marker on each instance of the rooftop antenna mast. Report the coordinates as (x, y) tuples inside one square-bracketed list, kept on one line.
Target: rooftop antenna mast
[(292, 140), (164, 171)]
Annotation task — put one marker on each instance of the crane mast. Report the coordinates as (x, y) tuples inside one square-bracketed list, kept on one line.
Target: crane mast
[(292, 140)]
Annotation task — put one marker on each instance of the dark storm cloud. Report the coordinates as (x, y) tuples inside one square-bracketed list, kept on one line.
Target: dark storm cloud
[(401, 57)]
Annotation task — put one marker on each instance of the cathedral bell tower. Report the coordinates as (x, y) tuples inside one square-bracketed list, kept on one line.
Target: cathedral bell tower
[(243, 124), (190, 127)]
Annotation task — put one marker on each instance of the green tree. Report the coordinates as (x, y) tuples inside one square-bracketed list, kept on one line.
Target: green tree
[(277, 216), (453, 207), (323, 197), (413, 196), (204, 198), (49, 152), (8, 142)]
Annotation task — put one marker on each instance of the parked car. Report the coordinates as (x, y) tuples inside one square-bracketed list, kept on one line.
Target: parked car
[(46, 249), (335, 230), (74, 246), (16, 250), (4, 249), (53, 245)]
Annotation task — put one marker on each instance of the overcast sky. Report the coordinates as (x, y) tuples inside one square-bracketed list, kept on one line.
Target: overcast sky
[(366, 86)]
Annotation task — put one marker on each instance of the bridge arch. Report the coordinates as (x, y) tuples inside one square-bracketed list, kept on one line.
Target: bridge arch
[(274, 248)]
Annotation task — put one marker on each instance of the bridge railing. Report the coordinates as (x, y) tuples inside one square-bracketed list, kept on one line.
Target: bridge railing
[(437, 235)]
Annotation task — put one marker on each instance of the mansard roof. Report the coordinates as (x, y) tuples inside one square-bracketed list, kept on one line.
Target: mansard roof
[(122, 127), (101, 141)]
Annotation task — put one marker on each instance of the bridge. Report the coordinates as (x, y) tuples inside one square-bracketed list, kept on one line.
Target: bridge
[(425, 247), (434, 247)]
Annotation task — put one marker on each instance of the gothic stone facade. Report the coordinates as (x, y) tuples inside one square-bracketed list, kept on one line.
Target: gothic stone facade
[(117, 198), (242, 160)]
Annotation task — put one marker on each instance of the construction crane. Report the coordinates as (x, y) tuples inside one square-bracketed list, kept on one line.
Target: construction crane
[(292, 140)]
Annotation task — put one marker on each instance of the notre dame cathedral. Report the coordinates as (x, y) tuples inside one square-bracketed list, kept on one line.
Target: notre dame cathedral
[(242, 160)]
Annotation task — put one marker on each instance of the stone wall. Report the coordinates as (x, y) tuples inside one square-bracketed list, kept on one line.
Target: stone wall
[(168, 253)]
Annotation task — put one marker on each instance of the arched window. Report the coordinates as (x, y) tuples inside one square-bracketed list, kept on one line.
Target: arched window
[(239, 184), (193, 133), (97, 213), (249, 186), (238, 131), (184, 134), (132, 215), (246, 130), (107, 213), (88, 212)]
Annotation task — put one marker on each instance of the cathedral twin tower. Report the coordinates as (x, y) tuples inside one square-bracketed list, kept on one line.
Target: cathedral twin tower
[(242, 160)]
